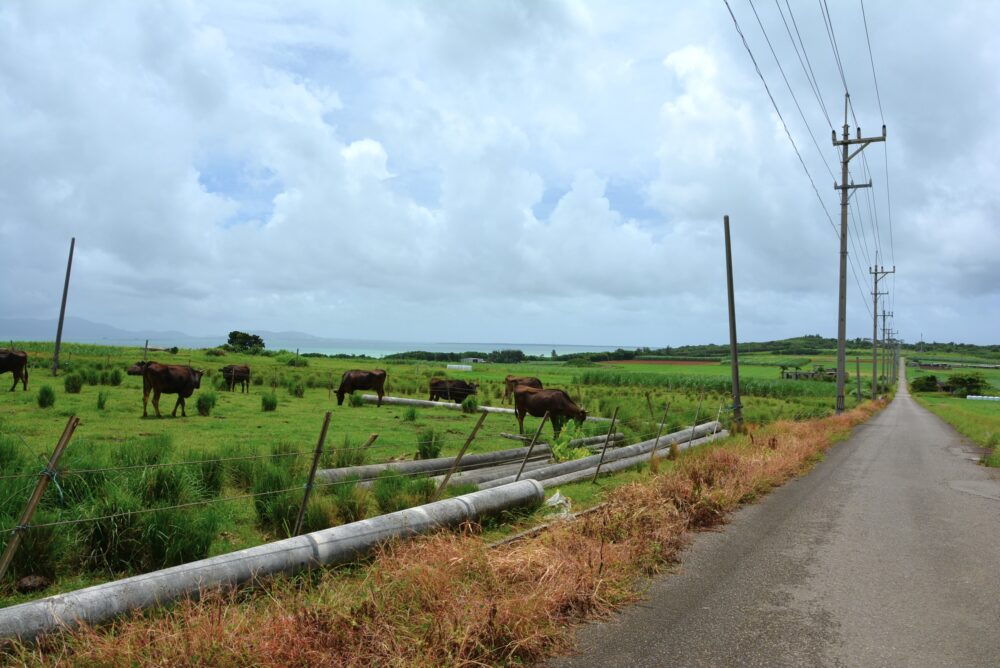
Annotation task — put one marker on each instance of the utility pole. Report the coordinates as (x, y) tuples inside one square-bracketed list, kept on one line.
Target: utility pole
[(845, 189), (62, 309), (733, 357), (885, 344), (877, 273)]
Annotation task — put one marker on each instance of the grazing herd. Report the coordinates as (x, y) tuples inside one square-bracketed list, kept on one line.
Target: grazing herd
[(530, 397)]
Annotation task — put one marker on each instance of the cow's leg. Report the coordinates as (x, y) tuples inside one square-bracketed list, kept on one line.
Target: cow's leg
[(557, 423), (520, 421), (180, 402), (24, 377), (145, 400), (15, 382), (156, 401), (381, 393)]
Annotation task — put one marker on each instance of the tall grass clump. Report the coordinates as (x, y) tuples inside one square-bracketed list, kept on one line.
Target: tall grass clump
[(166, 485), (92, 377), (393, 491), (206, 402), (46, 396), (470, 404), (351, 501), (143, 450), (42, 548), (297, 388), (355, 400), (115, 377), (429, 444), (178, 535), (268, 402), (73, 383), (208, 471), (238, 466), (275, 504), (115, 539), (321, 513), (102, 399), (410, 414), (348, 454)]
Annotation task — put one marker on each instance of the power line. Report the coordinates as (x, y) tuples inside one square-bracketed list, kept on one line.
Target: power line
[(811, 78)]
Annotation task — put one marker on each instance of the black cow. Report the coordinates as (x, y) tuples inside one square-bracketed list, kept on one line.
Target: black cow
[(534, 402), (15, 361), (237, 373), (510, 382), (166, 379), (456, 390), (357, 379)]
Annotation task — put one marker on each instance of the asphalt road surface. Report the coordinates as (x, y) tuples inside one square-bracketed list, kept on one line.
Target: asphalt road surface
[(886, 554)]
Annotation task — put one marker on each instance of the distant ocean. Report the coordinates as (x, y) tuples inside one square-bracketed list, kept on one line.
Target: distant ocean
[(383, 348)]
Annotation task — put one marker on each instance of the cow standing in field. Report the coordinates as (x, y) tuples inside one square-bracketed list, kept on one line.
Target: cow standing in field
[(534, 402), (15, 361), (456, 390), (237, 373), (511, 382), (166, 379), (357, 379)]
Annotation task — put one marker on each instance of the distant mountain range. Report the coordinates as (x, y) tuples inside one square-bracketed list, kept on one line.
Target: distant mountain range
[(79, 330)]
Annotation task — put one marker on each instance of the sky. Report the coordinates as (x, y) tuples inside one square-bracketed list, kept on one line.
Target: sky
[(535, 172)]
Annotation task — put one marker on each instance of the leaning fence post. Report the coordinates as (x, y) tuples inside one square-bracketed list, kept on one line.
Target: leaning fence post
[(461, 453), (614, 418), (48, 473), (696, 412), (659, 432), (312, 474), (531, 446), (717, 416)]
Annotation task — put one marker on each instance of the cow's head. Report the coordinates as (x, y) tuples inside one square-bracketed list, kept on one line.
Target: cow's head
[(138, 368), (196, 375), (580, 417)]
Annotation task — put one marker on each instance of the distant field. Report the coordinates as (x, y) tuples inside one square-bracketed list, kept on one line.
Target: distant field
[(281, 441)]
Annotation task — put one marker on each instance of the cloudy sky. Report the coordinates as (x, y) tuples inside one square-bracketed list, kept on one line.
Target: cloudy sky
[(536, 171)]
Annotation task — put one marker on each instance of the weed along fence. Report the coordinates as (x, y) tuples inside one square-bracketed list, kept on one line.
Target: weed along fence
[(332, 546)]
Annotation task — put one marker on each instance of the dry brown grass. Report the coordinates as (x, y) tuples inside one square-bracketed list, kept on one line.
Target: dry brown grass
[(448, 599)]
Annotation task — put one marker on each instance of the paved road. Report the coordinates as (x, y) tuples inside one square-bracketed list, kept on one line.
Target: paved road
[(887, 554)]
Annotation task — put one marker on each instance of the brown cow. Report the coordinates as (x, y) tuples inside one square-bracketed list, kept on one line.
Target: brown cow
[(357, 379), (456, 390), (510, 382), (15, 361), (237, 373), (166, 379), (534, 402)]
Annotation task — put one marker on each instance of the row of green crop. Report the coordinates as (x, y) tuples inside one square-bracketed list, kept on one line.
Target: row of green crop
[(748, 387)]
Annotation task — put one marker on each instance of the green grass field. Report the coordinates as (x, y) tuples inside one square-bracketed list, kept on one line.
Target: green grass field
[(267, 452)]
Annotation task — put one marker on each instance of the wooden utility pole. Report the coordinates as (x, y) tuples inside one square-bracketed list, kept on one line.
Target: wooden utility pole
[(733, 357), (844, 189), (857, 376), (877, 273), (62, 309), (885, 343)]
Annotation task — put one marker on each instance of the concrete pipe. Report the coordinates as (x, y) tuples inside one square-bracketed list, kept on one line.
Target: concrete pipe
[(336, 545), (431, 466), (402, 401)]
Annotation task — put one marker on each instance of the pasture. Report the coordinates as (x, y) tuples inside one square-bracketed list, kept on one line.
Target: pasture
[(238, 472)]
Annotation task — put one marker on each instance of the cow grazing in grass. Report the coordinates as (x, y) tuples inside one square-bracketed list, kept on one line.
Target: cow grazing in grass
[(15, 361), (455, 390), (237, 373), (535, 402), (166, 379), (510, 382), (357, 379)]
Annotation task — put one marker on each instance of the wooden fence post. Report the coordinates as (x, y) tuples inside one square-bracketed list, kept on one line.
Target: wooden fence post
[(461, 453), (597, 471), (48, 473), (312, 474), (531, 446), (659, 432)]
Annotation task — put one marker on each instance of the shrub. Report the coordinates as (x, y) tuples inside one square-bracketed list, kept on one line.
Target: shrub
[(354, 400), (92, 377), (257, 380), (73, 383), (297, 389), (206, 402), (410, 415), (429, 444), (215, 352), (964, 384), (102, 399), (268, 402), (470, 404), (219, 383), (115, 377), (46, 396), (297, 362), (351, 500)]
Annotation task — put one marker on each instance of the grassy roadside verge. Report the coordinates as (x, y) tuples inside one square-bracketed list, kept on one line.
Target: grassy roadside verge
[(449, 599), (977, 420)]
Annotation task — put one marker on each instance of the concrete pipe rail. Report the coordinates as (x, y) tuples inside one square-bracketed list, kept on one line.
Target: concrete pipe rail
[(336, 545), (431, 466), (612, 455), (622, 464), (402, 401), (586, 441), (479, 476)]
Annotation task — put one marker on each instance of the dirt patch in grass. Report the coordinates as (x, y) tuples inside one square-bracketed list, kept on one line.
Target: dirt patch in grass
[(449, 599)]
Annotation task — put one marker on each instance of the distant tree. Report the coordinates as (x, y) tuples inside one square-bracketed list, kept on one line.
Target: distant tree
[(554, 354), (506, 356), (242, 342)]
